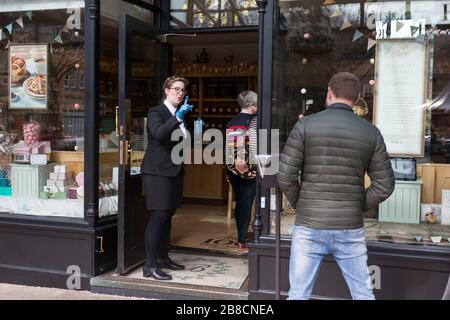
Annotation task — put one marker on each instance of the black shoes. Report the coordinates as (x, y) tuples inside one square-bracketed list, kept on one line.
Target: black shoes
[(156, 273), (170, 264)]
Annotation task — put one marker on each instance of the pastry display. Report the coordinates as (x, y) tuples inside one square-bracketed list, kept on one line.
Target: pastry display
[(18, 69), (36, 86)]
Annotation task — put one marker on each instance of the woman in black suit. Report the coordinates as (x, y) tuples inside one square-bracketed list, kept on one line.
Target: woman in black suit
[(162, 178)]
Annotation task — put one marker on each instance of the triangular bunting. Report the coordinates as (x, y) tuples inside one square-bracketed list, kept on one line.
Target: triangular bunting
[(414, 30), (9, 43), (328, 2), (58, 38), (357, 35), (370, 43), (65, 29), (9, 27), (29, 14), (420, 39), (20, 22), (399, 25), (336, 14), (345, 25)]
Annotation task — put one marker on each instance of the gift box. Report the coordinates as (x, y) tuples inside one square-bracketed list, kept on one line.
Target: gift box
[(38, 159), (60, 176), (60, 168), (60, 196), (43, 195), (6, 191), (4, 182)]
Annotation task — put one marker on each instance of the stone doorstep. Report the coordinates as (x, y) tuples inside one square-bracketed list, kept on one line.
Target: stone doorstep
[(145, 288)]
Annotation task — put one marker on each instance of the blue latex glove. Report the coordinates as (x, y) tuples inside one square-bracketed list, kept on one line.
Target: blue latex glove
[(184, 109)]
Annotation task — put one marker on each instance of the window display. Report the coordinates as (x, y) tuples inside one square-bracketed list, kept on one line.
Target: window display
[(41, 117), (399, 51)]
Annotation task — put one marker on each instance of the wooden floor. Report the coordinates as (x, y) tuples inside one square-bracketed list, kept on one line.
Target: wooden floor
[(205, 227)]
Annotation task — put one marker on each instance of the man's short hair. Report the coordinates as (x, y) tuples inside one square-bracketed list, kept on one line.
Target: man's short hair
[(345, 85), (247, 98)]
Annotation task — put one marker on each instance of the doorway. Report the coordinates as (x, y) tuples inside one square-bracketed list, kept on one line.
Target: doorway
[(218, 66)]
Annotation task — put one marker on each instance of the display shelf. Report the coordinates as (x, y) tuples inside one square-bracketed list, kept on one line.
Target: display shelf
[(214, 95)]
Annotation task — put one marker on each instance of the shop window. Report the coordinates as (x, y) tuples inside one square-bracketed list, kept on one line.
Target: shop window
[(42, 111), (314, 40), (213, 13)]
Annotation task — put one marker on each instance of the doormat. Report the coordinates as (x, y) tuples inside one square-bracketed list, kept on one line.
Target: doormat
[(203, 270), (223, 243)]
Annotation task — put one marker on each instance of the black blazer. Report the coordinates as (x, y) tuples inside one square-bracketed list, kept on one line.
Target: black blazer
[(160, 125)]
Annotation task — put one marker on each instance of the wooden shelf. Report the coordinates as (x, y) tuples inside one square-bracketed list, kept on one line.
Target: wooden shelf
[(217, 116), (219, 100)]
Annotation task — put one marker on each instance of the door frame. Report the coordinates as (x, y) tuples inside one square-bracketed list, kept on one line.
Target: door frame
[(127, 27)]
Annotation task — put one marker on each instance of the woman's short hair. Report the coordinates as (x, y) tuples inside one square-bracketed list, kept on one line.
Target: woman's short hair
[(171, 80), (247, 98)]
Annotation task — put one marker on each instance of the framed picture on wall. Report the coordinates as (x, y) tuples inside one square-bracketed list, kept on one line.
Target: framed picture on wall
[(28, 76), (401, 91)]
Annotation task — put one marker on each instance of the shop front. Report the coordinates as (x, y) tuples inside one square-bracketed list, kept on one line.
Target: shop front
[(398, 49), (64, 137)]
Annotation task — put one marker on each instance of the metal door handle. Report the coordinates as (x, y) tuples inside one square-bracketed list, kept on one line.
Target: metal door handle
[(117, 120), (101, 245)]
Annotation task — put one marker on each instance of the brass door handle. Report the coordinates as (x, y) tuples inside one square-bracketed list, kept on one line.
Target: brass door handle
[(117, 120), (101, 245)]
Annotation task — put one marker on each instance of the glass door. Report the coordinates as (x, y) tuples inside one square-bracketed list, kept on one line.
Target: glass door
[(143, 63)]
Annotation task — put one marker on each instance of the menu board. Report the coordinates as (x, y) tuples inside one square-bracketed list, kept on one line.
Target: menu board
[(400, 94)]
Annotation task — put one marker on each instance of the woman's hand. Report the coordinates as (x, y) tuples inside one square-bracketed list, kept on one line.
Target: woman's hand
[(184, 109)]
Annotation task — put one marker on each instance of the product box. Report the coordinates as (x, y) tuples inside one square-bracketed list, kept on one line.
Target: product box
[(43, 195), (60, 168), (38, 159), (60, 196), (6, 191), (60, 176), (445, 215), (4, 182)]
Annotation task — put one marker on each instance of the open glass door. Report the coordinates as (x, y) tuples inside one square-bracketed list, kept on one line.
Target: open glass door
[(143, 62)]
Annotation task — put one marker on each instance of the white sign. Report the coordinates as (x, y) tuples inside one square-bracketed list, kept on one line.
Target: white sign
[(400, 92)]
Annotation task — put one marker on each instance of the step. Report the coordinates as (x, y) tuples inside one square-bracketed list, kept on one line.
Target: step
[(115, 284)]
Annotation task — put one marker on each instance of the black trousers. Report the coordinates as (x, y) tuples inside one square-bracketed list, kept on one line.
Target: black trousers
[(157, 236)]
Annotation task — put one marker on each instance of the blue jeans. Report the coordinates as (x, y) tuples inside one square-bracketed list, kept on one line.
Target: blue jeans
[(244, 194), (310, 246)]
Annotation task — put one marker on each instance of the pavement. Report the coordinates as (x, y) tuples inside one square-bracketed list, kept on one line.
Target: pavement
[(19, 292)]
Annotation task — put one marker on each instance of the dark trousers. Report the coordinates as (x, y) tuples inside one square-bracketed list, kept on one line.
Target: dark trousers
[(157, 236), (244, 193)]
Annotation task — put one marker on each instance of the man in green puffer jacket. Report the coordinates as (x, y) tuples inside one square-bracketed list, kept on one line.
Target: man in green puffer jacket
[(330, 153)]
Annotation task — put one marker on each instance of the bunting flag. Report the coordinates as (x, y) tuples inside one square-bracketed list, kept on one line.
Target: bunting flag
[(370, 43), (357, 35), (399, 25), (414, 30), (335, 14), (20, 22), (420, 39), (1, 34), (65, 29), (9, 43), (29, 14), (345, 25), (9, 27), (328, 2), (58, 38)]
